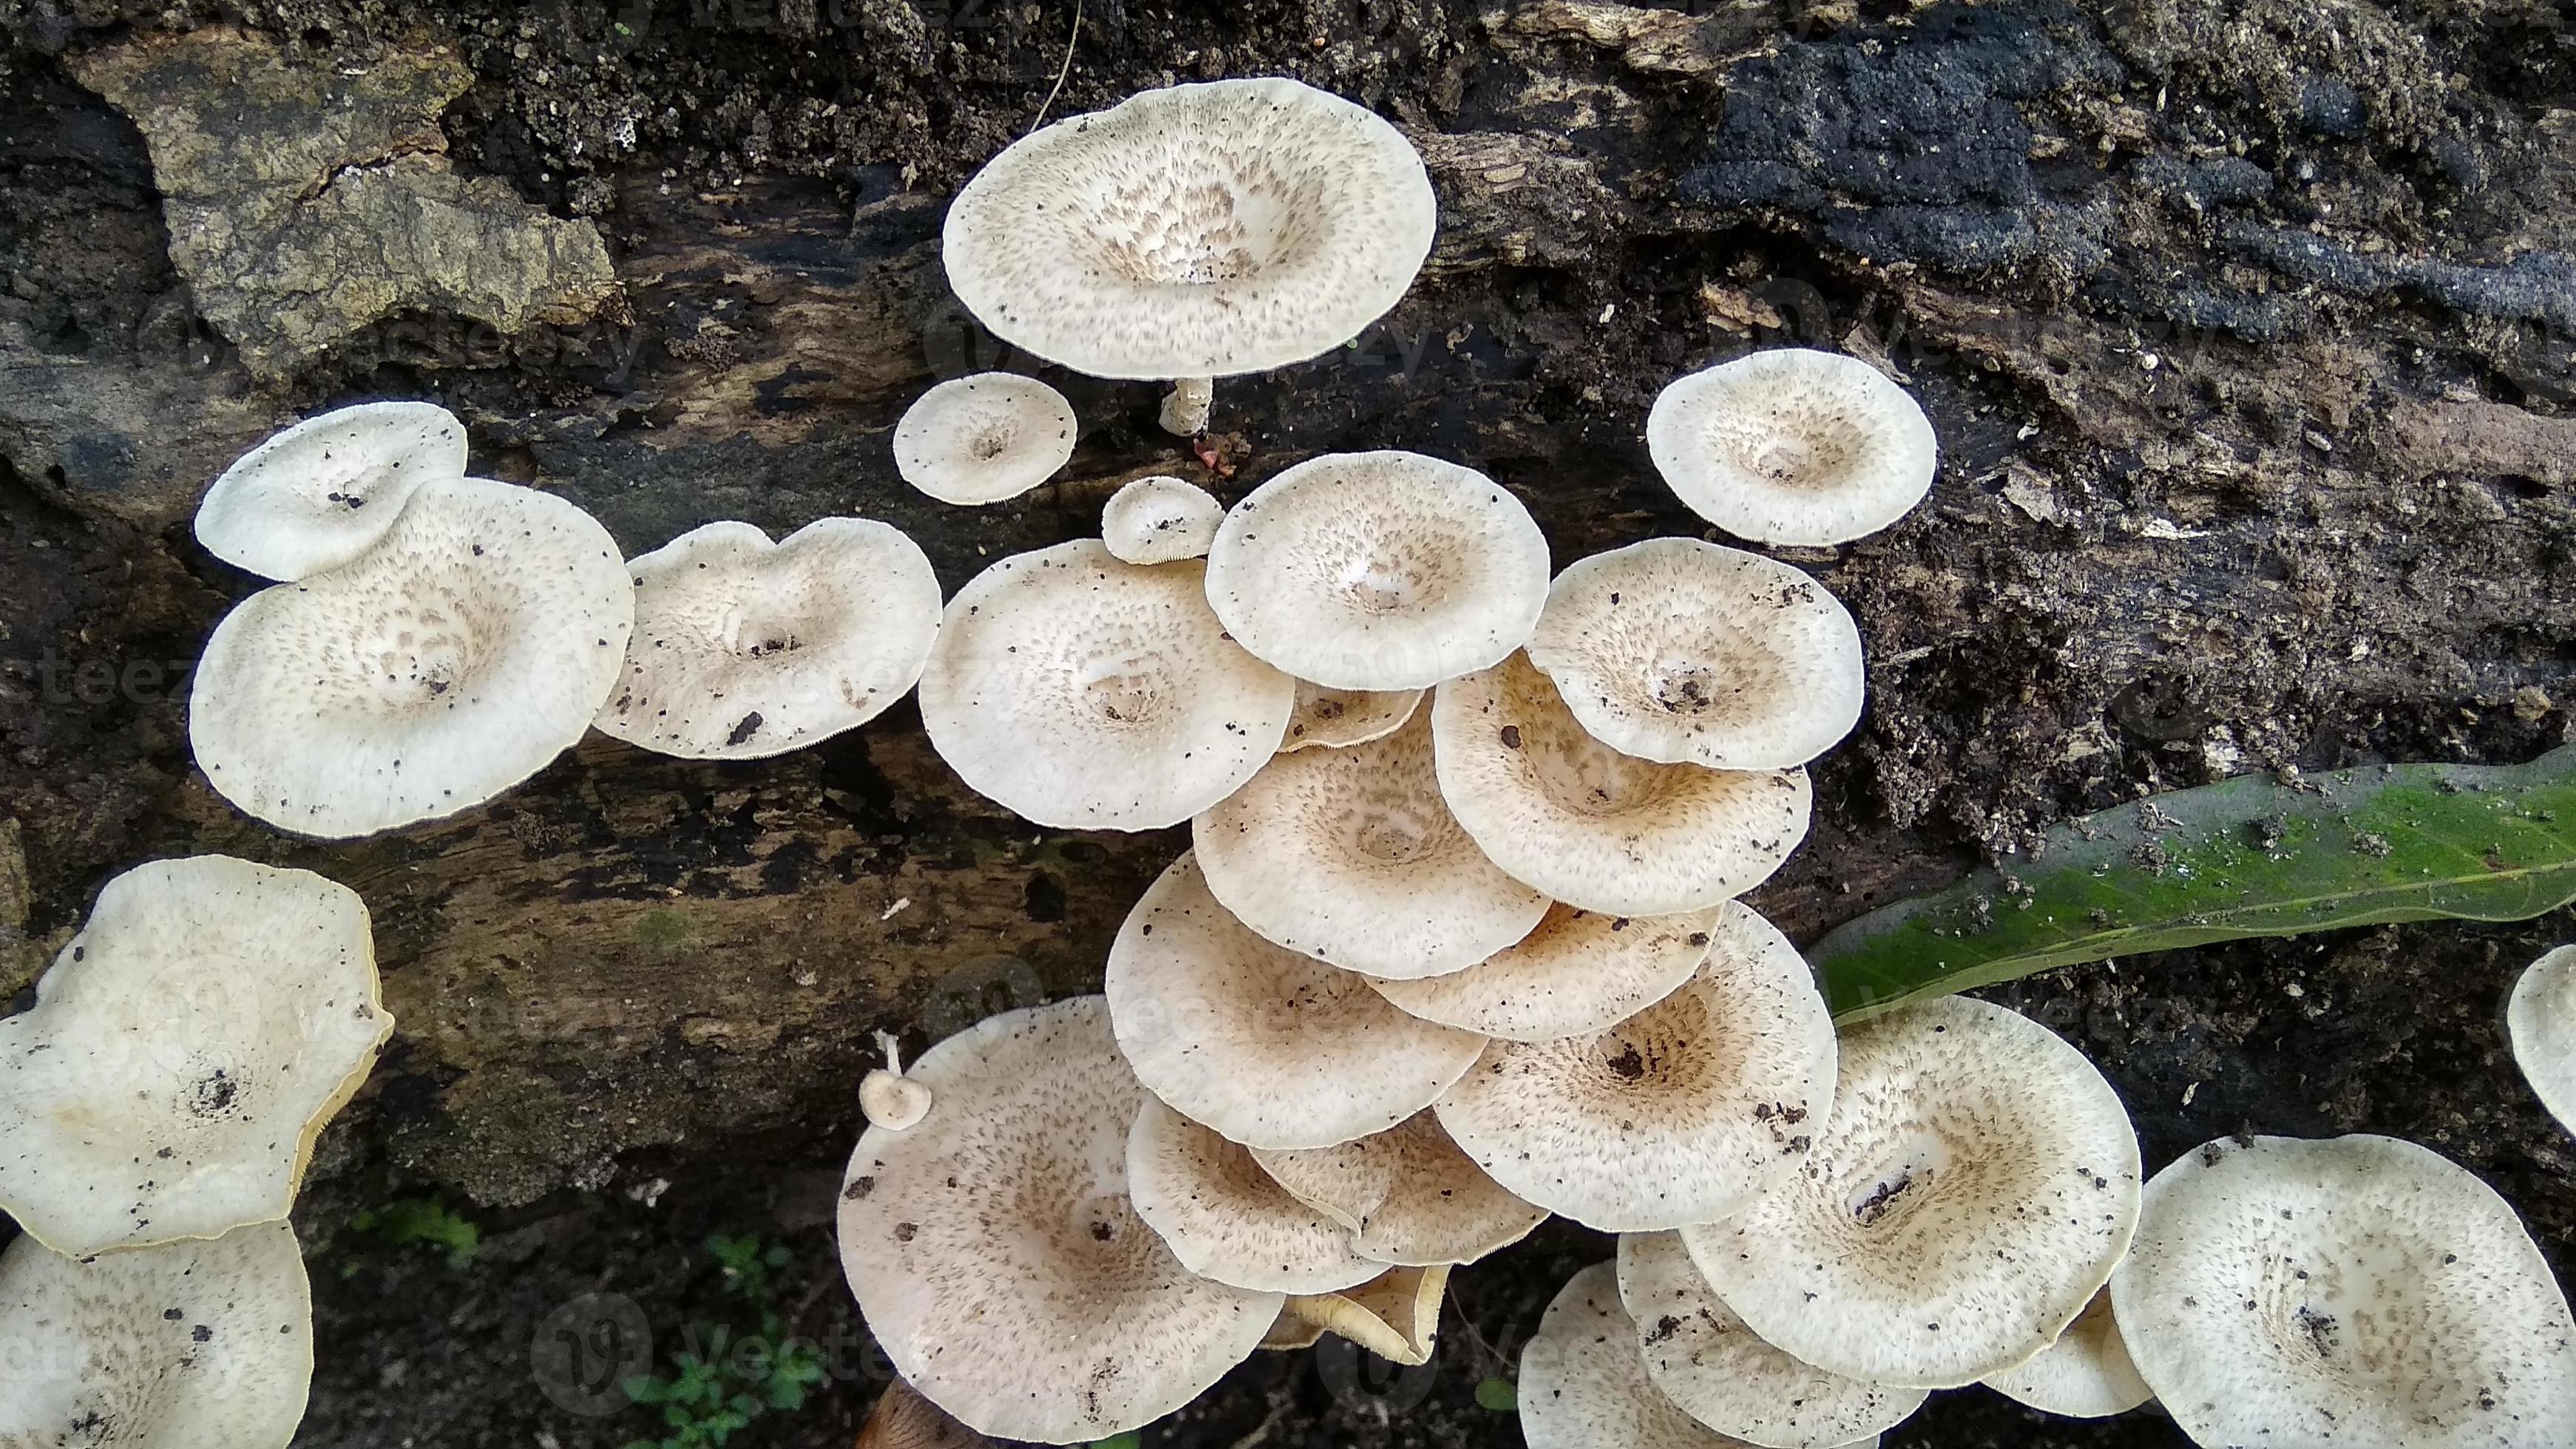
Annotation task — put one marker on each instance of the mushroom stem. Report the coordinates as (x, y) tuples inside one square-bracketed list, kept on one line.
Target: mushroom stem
[(893, 1050), (1185, 408)]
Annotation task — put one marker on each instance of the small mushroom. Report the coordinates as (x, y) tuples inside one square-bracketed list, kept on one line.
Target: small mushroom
[(904, 1419), (1793, 446), (1160, 520), (1272, 1049), (1408, 1193), (1091, 694), (473, 644), (745, 648), (1976, 1184), (189, 1345), (2357, 1290), (1686, 652), (1395, 1315), (996, 1254), (1224, 1217), (1339, 718), (184, 1054), (985, 438), (326, 490), (1583, 1385), (1687, 1112), (1349, 856), (2086, 1374), (888, 1098), (1571, 817), (1382, 571), (2540, 1025), (1578, 973)]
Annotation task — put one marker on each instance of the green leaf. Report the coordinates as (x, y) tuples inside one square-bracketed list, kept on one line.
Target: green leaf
[(1129, 1440), (645, 1389), (2252, 856), (1498, 1396)]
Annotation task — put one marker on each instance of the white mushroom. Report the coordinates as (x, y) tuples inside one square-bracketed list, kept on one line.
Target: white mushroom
[(1225, 1219), (1395, 1315), (1193, 232), (985, 438), (184, 1053), (996, 1254), (2359, 1290), (1408, 1193), (1793, 446), (1583, 1384), (2540, 1025), (1385, 570), (1160, 520), (1348, 856), (2086, 1374), (327, 489), (1576, 974), (1091, 694), (1719, 1372), (1339, 718), (1272, 1049), (1568, 815), (888, 1098), (1971, 1193), (453, 660), (1687, 652), (188, 1345), (1684, 1113), (745, 649)]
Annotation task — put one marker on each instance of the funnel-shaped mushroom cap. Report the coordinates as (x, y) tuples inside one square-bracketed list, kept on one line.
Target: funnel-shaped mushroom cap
[(1395, 1315), (1682, 1113), (1793, 446), (2086, 1374), (2540, 1022), (1193, 231), (1224, 1217), (745, 649), (998, 1259), (1409, 1193), (1568, 815), (1161, 519), (1687, 652), (1339, 718), (325, 490), (1975, 1186), (185, 1346), (448, 663), (904, 1419), (1583, 1384), (1384, 570), (1576, 974), (1705, 1360), (206, 1023), (984, 438), (1350, 857), (1272, 1049), (1091, 694), (2359, 1290), (1292, 1332)]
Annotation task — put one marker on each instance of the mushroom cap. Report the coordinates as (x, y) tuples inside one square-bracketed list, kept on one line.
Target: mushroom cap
[(891, 1100), (2357, 1290), (1705, 1360), (207, 1022), (1682, 1113), (1349, 856), (1160, 519), (1091, 694), (1272, 1049), (745, 648), (1339, 718), (173, 1347), (2086, 1374), (1193, 231), (984, 438), (1225, 1219), (1793, 446), (2540, 1024), (1577, 973), (1583, 1384), (1976, 1185), (1395, 1315), (453, 660), (1686, 652), (1567, 815), (324, 491), (1385, 570), (996, 1254), (1408, 1193)]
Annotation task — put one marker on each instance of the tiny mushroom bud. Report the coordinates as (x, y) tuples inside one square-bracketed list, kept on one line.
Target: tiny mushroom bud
[(888, 1098), (2540, 1024), (325, 490), (1583, 1385), (1160, 519), (985, 438), (1793, 446)]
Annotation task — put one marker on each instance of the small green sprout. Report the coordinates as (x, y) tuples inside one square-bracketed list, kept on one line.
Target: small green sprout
[(423, 1221)]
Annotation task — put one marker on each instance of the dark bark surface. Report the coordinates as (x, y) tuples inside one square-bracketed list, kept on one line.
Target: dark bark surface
[(2249, 330)]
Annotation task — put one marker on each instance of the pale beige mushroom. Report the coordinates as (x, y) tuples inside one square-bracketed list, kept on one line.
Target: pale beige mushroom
[(985, 438), (1577, 973), (904, 1419), (1226, 1219), (2086, 1374), (1349, 856), (326, 490), (1793, 446), (1407, 1194), (1338, 718), (1568, 815), (888, 1098), (1583, 1384), (1395, 1315), (2540, 1026), (1160, 519)]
